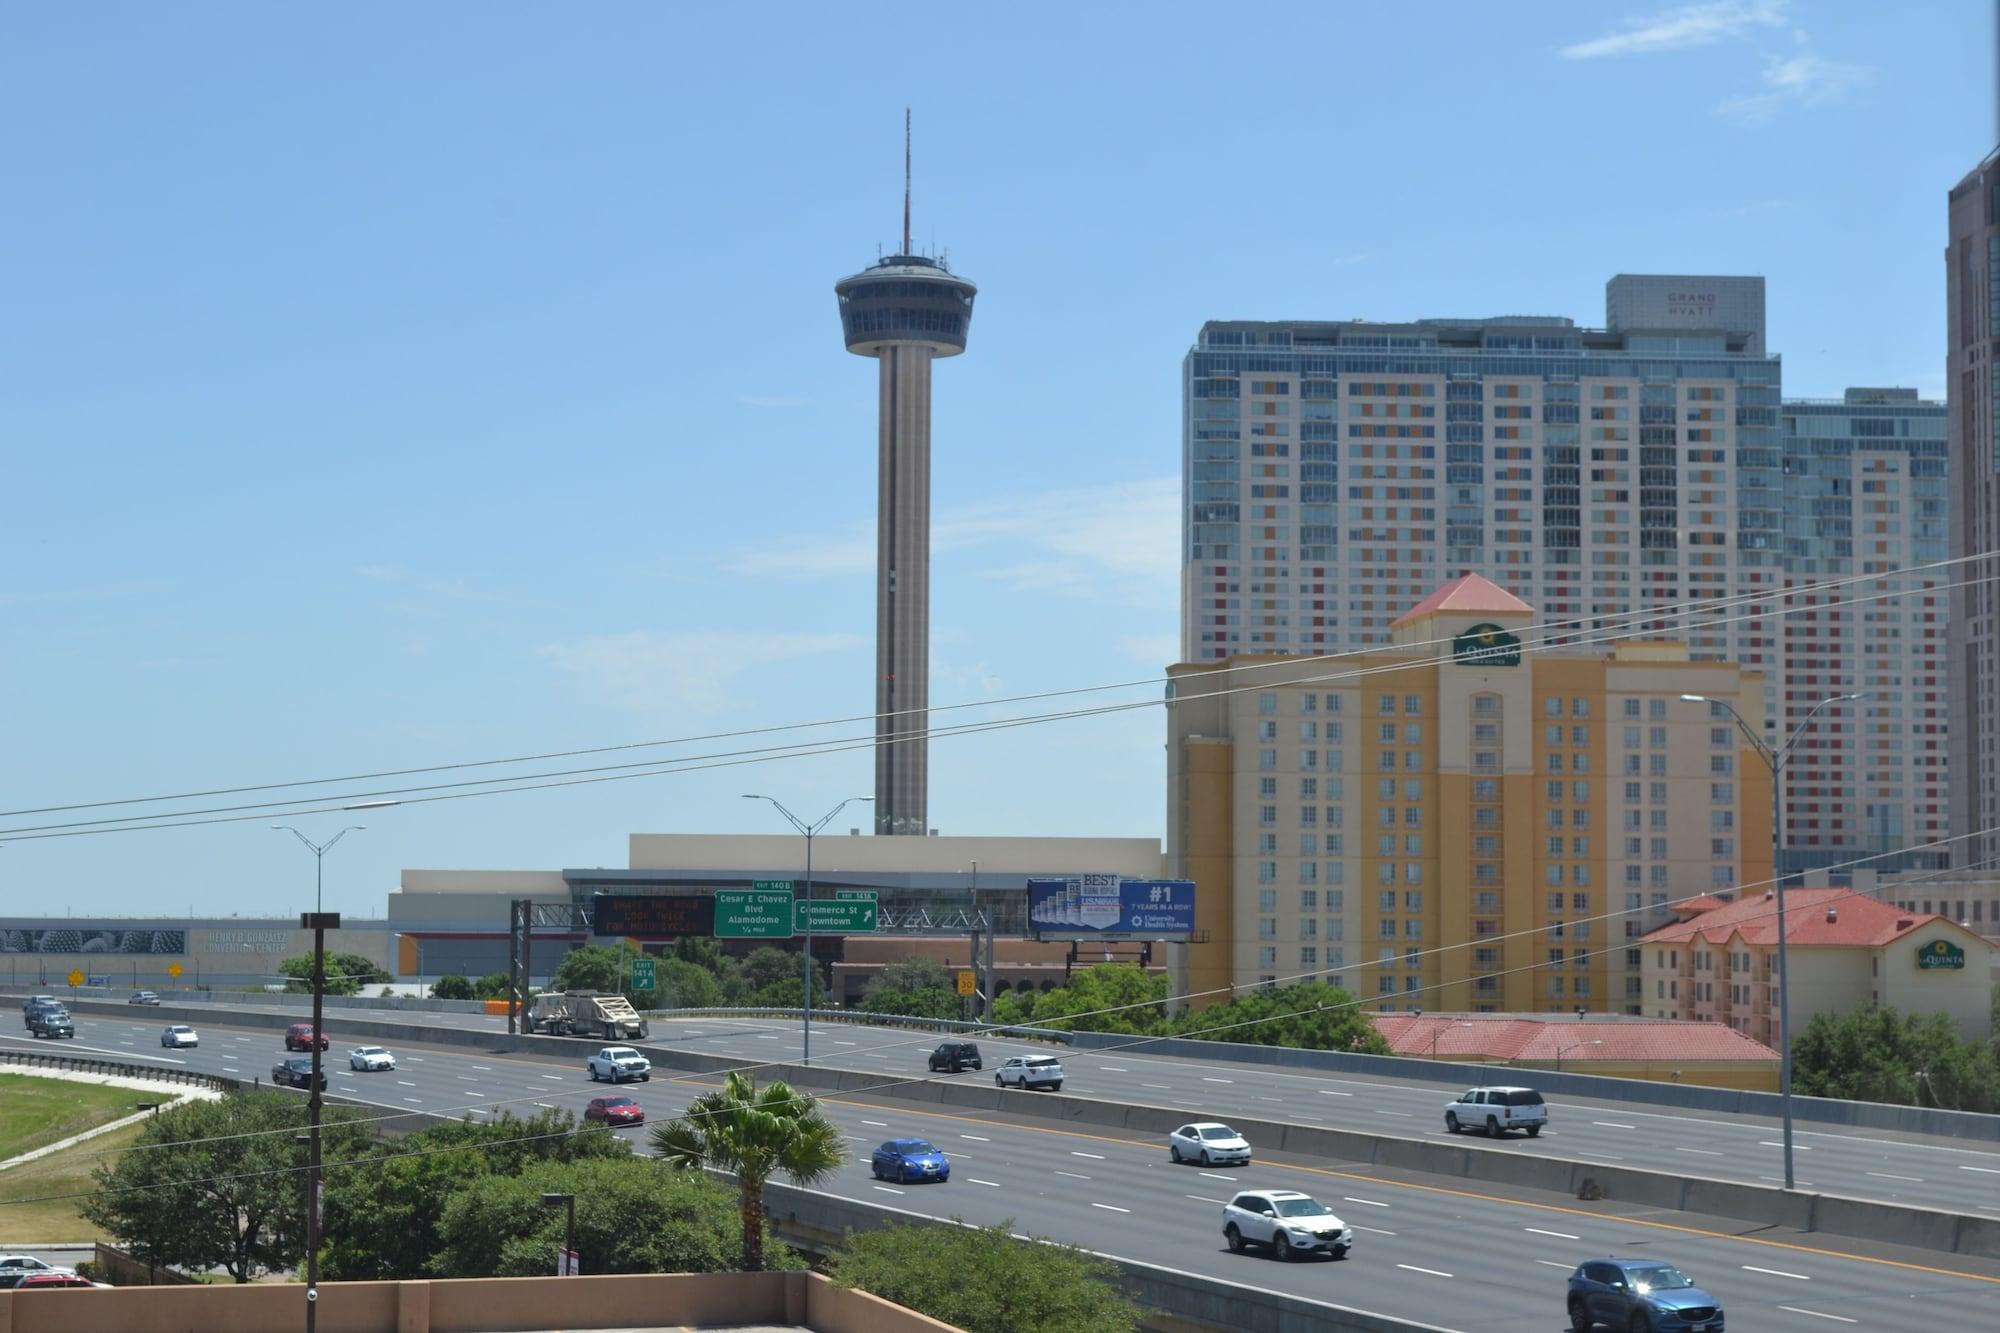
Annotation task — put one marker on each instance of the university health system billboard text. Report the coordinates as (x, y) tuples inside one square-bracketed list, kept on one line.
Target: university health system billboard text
[(1101, 906)]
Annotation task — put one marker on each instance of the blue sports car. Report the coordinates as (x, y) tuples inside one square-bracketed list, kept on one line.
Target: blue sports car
[(1641, 1295), (906, 1160)]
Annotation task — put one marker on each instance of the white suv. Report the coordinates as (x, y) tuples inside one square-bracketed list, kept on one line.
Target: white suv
[(1030, 1071), (1497, 1110), (615, 1064), (1287, 1221)]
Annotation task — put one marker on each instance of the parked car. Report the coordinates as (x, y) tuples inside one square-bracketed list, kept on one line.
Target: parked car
[(1210, 1143), (1030, 1071), (37, 1281), (1640, 1294), (1287, 1221), (179, 1034), (616, 1112), (370, 1058), (28, 1263), (51, 1023), (615, 1064), (143, 997), (299, 1037), (1497, 1110), (296, 1073), (952, 1056), (906, 1160)]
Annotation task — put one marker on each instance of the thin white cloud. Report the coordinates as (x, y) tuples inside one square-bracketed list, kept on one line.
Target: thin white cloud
[(1799, 80), (688, 670), (771, 400), (1115, 541), (1681, 29)]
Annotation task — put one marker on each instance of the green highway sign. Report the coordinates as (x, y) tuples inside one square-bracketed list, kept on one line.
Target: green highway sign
[(855, 895), (754, 914), (839, 916), (772, 885), (643, 975)]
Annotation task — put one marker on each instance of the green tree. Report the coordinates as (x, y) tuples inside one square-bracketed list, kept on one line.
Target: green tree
[(686, 985), (1110, 997), (451, 987), (383, 1217), (1875, 1054), (984, 1281), (1315, 1017), (346, 973), (705, 952), (590, 967), (491, 987), (920, 986), (631, 1217), (770, 978), (753, 1134), (220, 1184)]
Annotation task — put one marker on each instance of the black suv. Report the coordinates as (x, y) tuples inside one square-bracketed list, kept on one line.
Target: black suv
[(47, 1022), (296, 1073), (952, 1056)]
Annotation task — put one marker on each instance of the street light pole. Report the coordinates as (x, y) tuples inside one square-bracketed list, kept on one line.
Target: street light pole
[(1775, 759), (1573, 1046), (807, 968), (318, 923)]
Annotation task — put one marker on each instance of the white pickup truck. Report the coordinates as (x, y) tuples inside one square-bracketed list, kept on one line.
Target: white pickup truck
[(1497, 1110), (615, 1064)]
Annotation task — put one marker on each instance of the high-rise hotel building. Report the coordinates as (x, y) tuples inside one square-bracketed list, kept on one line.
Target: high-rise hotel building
[(1866, 492), (1972, 390), (1337, 472), (1451, 823)]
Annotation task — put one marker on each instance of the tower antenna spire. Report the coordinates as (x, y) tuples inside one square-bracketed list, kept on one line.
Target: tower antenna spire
[(906, 180)]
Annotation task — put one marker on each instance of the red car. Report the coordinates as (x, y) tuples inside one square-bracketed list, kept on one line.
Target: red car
[(54, 1280), (617, 1112), (299, 1037)]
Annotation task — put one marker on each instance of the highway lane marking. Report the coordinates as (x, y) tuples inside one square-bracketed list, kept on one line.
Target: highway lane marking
[(1376, 1231), (467, 1078), (1206, 1079), (1705, 1152), (555, 1078), (1432, 1271), (1559, 1235), (1270, 1099), (976, 1138), (123, 1042), (1303, 1116), (487, 1068), (1613, 1124), (837, 1043), (1072, 1175), (1776, 1272), (1886, 1175), (1203, 1198), (1157, 1087), (1986, 1169), (1774, 1143), (1607, 1156), (414, 1101), (879, 1124), (1114, 1069), (886, 1190), (1349, 1198), (1328, 1092), (546, 1106), (1110, 1207), (404, 1083), (1407, 1115), (990, 1184), (855, 1137), (1550, 1263), (1817, 1315), (1098, 1155), (1779, 1180)]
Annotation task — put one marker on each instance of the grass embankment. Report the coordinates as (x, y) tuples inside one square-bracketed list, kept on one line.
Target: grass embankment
[(60, 1173), (39, 1111)]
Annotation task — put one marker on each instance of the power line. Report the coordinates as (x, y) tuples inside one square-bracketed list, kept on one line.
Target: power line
[(416, 795), (1553, 629)]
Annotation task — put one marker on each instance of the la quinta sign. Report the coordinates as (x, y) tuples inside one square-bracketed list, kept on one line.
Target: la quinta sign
[(1940, 955), (1486, 645)]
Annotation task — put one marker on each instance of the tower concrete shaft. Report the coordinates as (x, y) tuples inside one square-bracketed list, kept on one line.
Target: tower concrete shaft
[(903, 592)]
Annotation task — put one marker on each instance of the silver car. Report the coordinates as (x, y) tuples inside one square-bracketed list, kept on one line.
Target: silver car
[(1287, 1221), (1209, 1143), (179, 1035)]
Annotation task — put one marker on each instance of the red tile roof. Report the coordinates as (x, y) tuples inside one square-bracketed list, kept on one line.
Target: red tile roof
[(1535, 1038), (1468, 594), (1838, 918)]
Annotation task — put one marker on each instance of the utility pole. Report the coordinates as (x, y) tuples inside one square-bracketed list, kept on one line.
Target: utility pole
[(318, 923), (806, 999)]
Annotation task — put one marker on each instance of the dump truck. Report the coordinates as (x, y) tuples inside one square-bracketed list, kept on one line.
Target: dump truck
[(592, 1013)]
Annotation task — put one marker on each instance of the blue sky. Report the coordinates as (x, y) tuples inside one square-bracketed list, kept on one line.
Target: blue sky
[(407, 385)]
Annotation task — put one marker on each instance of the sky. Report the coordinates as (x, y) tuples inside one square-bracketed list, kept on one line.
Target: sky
[(400, 386)]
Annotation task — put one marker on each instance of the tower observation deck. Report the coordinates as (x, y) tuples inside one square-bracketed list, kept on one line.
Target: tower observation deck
[(905, 311)]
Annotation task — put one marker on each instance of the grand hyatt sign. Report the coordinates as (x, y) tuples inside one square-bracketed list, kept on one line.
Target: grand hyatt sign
[(1693, 305)]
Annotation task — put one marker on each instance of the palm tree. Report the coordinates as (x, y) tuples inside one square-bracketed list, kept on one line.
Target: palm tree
[(753, 1133)]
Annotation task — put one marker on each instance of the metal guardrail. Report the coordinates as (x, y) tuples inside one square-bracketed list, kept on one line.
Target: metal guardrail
[(868, 1019), (92, 1065)]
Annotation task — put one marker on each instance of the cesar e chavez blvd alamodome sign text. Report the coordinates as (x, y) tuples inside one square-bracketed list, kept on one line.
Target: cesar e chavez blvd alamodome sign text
[(1940, 955), (762, 913)]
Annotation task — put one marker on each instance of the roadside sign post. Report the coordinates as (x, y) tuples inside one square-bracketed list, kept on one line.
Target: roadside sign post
[(644, 975), (834, 916), (174, 970), (965, 986), (75, 979)]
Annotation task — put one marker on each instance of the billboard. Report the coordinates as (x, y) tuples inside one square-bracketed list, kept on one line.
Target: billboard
[(652, 916), (69, 939), (1108, 906)]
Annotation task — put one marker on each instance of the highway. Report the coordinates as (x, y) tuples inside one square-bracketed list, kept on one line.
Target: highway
[(1921, 1171), (1427, 1249)]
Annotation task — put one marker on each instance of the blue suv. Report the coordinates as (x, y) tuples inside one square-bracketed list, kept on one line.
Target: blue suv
[(906, 1160), (1640, 1296)]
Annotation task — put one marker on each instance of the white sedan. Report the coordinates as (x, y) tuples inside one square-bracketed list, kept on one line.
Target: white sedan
[(179, 1034), (1209, 1143), (370, 1058)]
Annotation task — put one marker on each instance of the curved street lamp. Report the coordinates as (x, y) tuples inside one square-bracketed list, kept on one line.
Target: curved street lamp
[(809, 830)]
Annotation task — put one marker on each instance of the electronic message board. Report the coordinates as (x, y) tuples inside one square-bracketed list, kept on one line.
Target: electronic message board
[(652, 916)]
